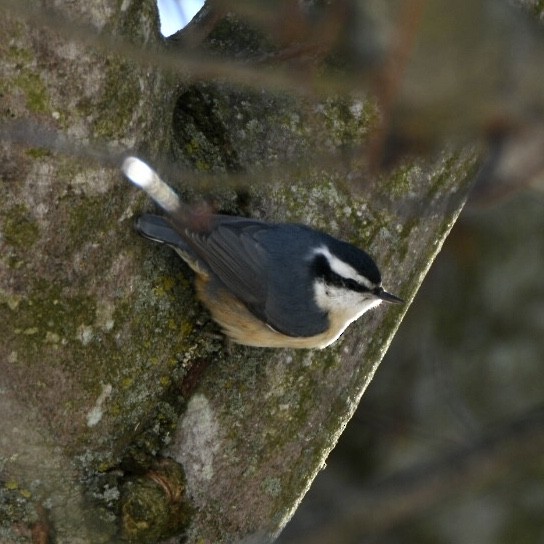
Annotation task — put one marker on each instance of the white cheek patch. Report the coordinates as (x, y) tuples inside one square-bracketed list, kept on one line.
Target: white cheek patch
[(343, 306), (343, 269), (331, 298)]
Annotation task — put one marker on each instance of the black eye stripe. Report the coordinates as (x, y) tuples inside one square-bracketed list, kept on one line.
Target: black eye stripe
[(354, 286), (323, 270)]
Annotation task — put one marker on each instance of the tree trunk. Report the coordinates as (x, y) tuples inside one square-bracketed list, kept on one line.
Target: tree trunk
[(109, 368)]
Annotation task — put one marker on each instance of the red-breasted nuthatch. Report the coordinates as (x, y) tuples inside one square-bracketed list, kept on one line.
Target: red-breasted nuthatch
[(266, 284)]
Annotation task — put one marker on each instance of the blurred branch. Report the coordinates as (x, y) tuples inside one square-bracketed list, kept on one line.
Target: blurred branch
[(394, 68), (515, 161), (380, 506), (193, 67)]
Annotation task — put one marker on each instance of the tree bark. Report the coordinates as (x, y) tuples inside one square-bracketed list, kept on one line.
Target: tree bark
[(107, 362)]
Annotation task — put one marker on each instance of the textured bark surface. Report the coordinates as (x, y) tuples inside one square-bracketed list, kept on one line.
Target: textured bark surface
[(106, 358)]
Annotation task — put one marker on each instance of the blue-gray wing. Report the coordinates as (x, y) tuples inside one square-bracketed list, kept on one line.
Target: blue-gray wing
[(255, 261), (268, 268), (231, 251)]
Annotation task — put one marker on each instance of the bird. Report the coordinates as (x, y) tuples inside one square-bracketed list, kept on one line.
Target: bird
[(274, 285)]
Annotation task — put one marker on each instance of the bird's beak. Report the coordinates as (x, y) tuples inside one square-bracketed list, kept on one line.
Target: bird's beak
[(387, 297)]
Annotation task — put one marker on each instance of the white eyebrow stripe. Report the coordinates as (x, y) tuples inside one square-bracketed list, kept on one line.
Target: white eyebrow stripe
[(343, 269)]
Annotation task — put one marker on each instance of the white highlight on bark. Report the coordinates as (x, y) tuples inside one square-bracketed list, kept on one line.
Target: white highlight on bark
[(144, 177)]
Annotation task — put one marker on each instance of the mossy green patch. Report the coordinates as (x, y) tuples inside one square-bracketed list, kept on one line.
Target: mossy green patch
[(37, 97), (37, 152), (155, 506), (539, 8), (49, 316), (15, 505), (86, 220), (118, 102), (166, 284), (20, 55), (19, 228), (346, 120), (235, 37)]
